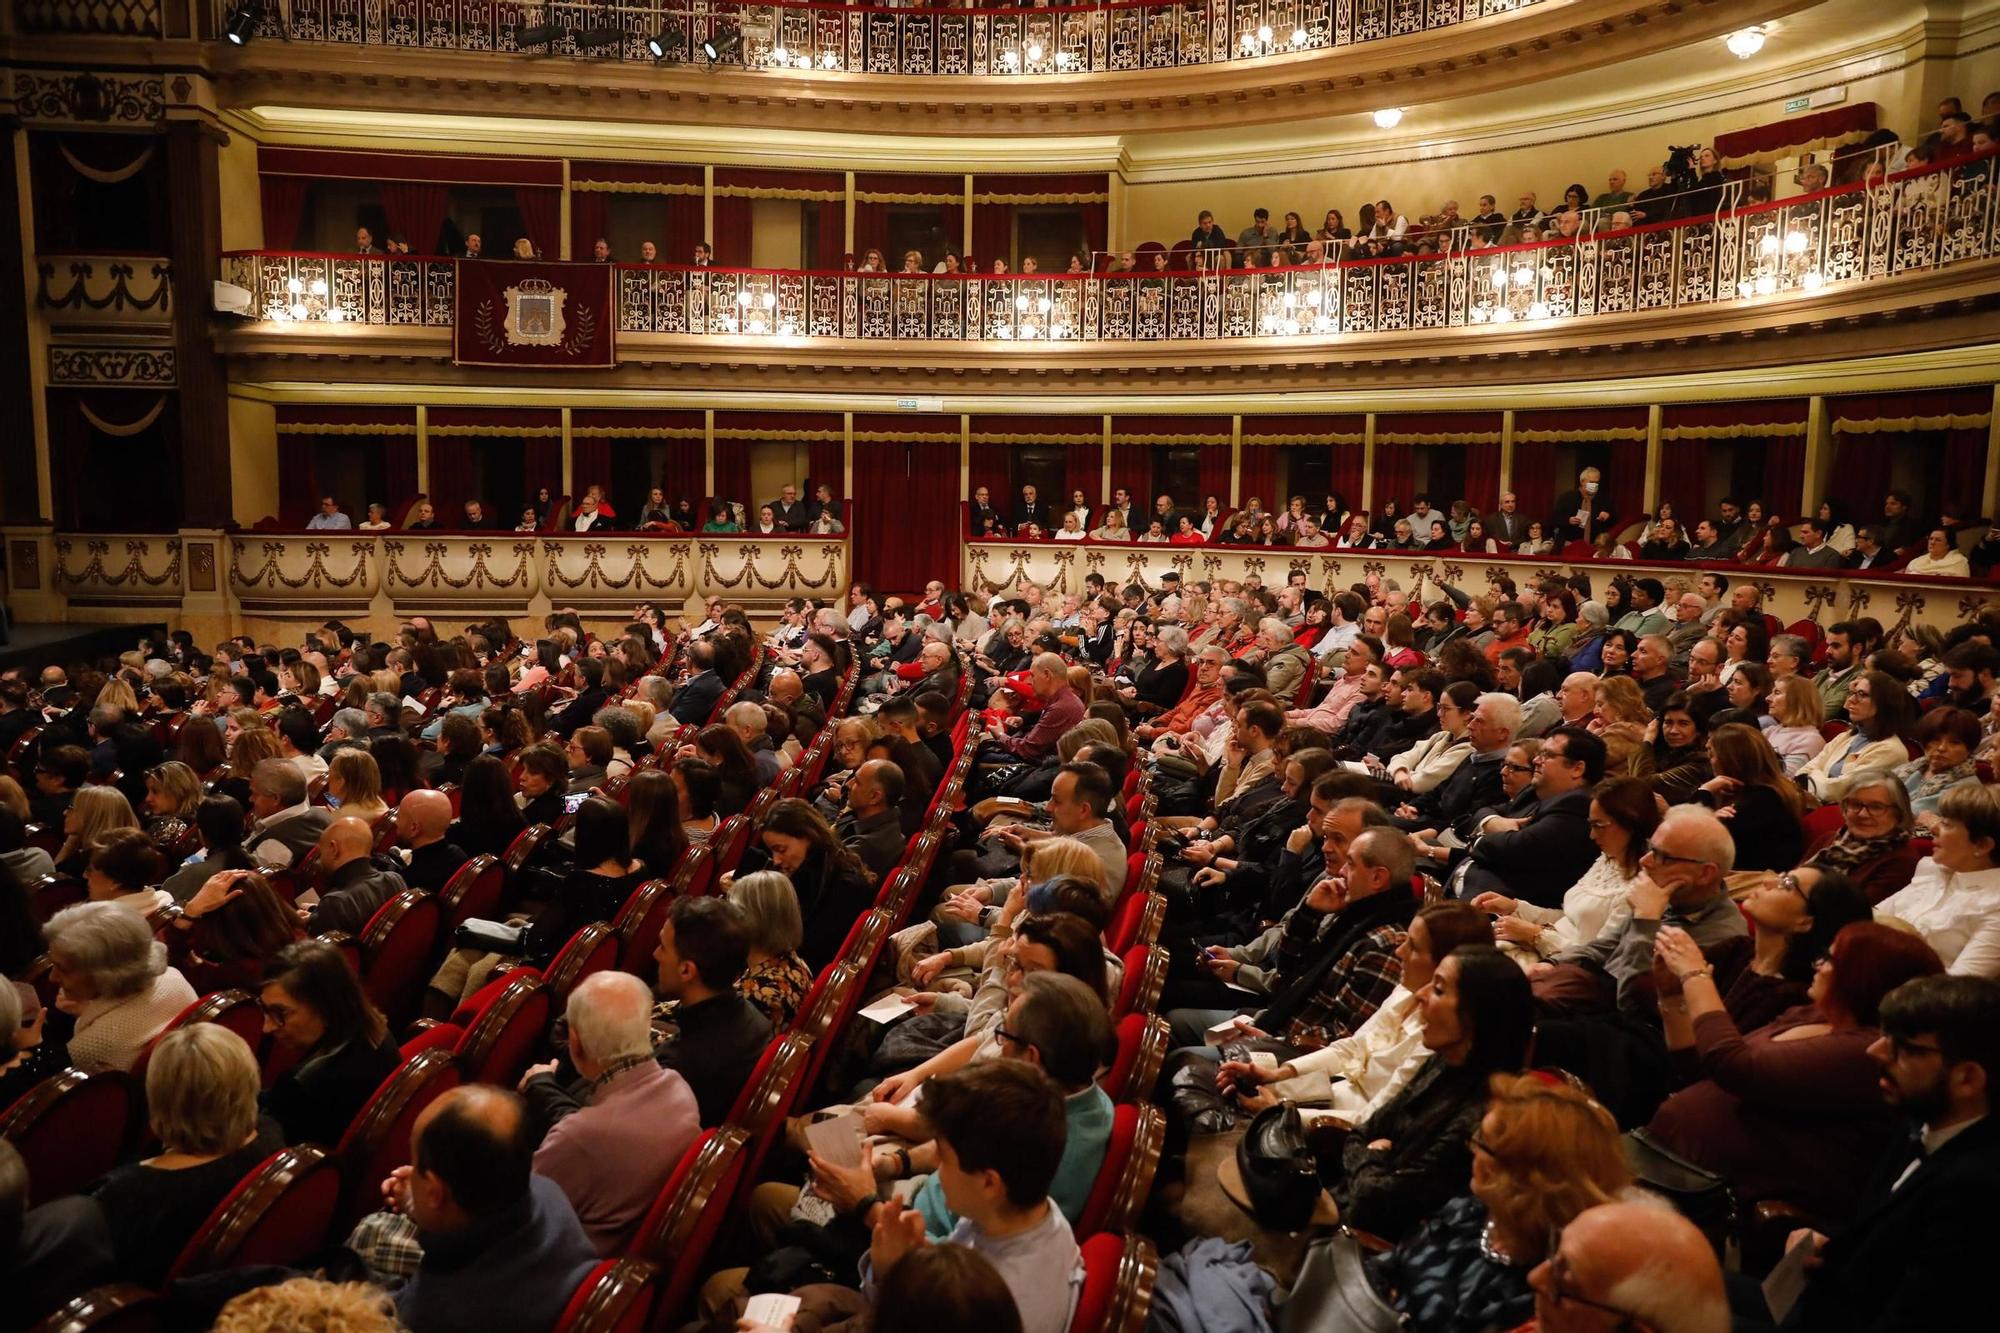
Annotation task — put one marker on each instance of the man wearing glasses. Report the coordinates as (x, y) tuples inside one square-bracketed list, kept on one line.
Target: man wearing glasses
[(1680, 884), (1538, 856), (1911, 1254), (1629, 1266)]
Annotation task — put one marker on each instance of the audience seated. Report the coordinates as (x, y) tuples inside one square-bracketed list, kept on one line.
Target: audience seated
[(112, 978), (1953, 897), (718, 1034), (338, 1044)]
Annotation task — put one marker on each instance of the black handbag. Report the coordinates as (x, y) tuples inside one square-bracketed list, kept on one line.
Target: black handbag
[(510, 941), (1696, 1193), (1279, 1171)]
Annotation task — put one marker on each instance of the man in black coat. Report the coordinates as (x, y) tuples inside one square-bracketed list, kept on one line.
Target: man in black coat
[(790, 511), (1032, 510), (1582, 513), (981, 515), (1507, 525), (1476, 781), (1913, 1254), (592, 697), (695, 700), (1537, 858)]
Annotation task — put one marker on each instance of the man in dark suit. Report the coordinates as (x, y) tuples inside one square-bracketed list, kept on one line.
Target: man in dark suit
[(1476, 781), (1871, 550), (1538, 857), (1507, 525), (790, 511), (1032, 510), (703, 948), (1905, 528), (1582, 513), (1913, 1254), (589, 699), (981, 514), (695, 700), (476, 517)]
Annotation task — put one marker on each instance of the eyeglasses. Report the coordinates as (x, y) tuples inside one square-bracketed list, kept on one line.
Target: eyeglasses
[(1508, 767), (1870, 808), (1790, 882), (1598, 825), (1654, 851), (1561, 1290)]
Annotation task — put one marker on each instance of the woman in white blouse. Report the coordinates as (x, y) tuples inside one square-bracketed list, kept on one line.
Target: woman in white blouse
[(1953, 899), (1940, 558), (1623, 815), (113, 978), (1369, 1067), (1079, 507), (1071, 530)]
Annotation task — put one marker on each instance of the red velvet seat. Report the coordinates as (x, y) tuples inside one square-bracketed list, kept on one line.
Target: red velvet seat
[(616, 1297), (1145, 978), (638, 923), (770, 1095), (510, 1017), (280, 1214), (1822, 826), (594, 948), (526, 843), (73, 1127), (236, 1010), (1142, 1049), (730, 838), (1118, 1277), (51, 893), (396, 948), (457, 795), (472, 891), (1130, 1158), (122, 1307), (379, 1139)]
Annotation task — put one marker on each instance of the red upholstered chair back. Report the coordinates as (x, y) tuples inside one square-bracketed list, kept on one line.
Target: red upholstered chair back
[(1822, 826), (512, 1018), (682, 1224), (379, 1139), (472, 891), (51, 893), (1142, 1048), (617, 1297), (1126, 1178), (73, 1127), (280, 1214), (526, 843), (1118, 1277), (122, 1307), (436, 1037), (595, 948), (236, 1010), (396, 952), (1145, 978), (731, 836), (638, 923), (768, 1098)]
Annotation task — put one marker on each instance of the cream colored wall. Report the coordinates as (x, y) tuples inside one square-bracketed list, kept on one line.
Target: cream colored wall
[(242, 201), (776, 232), (253, 459)]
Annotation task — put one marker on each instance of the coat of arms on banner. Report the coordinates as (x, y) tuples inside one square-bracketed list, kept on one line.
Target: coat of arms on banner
[(535, 314)]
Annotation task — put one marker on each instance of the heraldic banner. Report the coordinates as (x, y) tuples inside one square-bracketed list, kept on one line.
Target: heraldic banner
[(552, 316)]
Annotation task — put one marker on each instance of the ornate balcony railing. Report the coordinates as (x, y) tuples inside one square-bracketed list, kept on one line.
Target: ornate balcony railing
[(1838, 238), (880, 39)]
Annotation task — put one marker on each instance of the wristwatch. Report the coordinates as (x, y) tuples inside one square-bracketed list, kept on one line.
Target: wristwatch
[(902, 1162)]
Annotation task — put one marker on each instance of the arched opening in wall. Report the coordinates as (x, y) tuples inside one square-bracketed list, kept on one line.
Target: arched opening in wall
[(99, 192)]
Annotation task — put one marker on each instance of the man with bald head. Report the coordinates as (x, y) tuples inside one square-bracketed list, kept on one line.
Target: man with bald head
[(502, 1248), (1630, 1265), (1061, 709), (421, 820), (786, 688), (611, 1138), (753, 724), (871, 826), (352, 886)]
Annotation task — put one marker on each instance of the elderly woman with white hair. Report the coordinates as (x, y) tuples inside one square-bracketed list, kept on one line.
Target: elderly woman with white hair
[(201, 1098), (776, 979), (112, 977)]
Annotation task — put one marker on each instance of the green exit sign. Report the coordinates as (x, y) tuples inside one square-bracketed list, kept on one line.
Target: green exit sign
[(1797, 104)]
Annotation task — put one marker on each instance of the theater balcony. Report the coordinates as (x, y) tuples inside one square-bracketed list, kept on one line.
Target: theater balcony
[(1902, 265), (972, 70)]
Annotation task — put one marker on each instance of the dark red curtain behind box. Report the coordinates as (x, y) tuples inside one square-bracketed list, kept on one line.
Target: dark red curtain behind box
[(986, 465), (731, 241), (1259, 477), (913, 489), (1860, 476), (683, 228), (298, 495), (871, 232), (1132, 469), (1534, 479), (284, 207), (1869, 454), (298, 487), (541, 465), (1395, 474), (1349, 463), (452, 447), (992, 235), (416, 211), (451, 475), (1627, 472), (587, 212), (541, 218), (1083, 470), (1482, 476), (825, 465), (1784, 469), (1683, 478), (590, 465), (732, 472), (832, 239), (1214, 477)]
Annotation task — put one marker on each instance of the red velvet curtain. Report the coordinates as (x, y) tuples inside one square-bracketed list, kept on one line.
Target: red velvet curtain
[(993, 235), (587, 211), (684, 471), (832, 235), (1395, 474), (1482, 476), (1096, 224), (284, 206), (683, 228), (1083, 470), (399, 470), (731, 242), (1964, 481), (1214, 460), (871, 232), (1683, 479), (541, 218), (1784, 466), (918, 484), (1627, 473), (451, 475), (951, 227), (298, 487), (987, 466), (1862, 472), (1860, 476), (825, 465), (541, 465), (590, 465), (1259, 475), (416, 212), (1132, 468), (1534, 479), (1349, 461), (732, 471)]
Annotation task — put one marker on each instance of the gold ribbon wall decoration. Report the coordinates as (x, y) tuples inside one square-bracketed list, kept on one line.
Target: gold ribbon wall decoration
[(1880, 425), (124, 430), (346, 428), (114, 176), (633, 187), (1742, 430), (1085, 197)]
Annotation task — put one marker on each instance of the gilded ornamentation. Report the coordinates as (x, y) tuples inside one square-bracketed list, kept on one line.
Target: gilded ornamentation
[(132, 575), (153, 367), (432, 573), (1817, 596), (271, 576), (118, 291), (24, 566), (55, 97), (201, 566)]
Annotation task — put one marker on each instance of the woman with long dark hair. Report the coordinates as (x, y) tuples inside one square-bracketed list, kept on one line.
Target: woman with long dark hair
[(1751, 794), (734, 768), (832, 884), (658, 835), (488, 817), (316, 1011)]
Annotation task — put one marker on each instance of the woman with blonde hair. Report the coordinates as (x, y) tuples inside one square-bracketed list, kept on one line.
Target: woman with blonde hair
[(776, 979), (173, 793), (201, 1099), (251, 747), (1620, 722), (117, 693), (1544, 1152), (1792, 727), (94, 812), (354, 782)]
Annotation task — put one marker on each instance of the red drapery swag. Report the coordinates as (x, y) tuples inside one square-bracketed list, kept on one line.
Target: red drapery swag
[(1621, 459), (1481, 460), (1684, 468), (541, 218), (910, 490), (284, 207), (1796, 130), (1862, 457), (1134, 438), (416, 212), (825, 466)]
